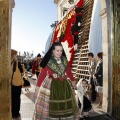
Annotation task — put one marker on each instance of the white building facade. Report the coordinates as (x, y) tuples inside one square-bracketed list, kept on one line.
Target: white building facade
[(63, 7)]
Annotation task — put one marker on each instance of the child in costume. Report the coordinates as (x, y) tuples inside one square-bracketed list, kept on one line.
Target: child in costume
[(23, 66), (26, 82), (83, 100)]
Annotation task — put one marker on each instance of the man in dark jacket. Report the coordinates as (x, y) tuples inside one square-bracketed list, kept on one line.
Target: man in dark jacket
[(92, 67)]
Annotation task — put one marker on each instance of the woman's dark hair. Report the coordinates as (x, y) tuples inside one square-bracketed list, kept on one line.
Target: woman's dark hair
[(91, 54), (39, 55), (56, 44), (48, 55), (100, 55)]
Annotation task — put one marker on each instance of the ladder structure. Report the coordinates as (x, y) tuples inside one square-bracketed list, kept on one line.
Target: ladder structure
[(80, 60)]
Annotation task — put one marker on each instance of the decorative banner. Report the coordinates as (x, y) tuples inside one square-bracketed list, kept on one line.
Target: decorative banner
[(79, 4), (62, 32), (55, 32)]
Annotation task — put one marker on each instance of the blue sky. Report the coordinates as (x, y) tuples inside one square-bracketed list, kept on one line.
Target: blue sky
[(31, 24)]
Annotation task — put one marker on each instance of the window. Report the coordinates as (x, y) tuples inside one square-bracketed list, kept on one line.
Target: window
[(71, 1), (64, 11)]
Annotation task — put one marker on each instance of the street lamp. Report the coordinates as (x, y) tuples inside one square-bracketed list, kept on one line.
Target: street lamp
[(53, 25)]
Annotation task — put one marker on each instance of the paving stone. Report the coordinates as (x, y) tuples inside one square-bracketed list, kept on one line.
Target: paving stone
[(27, 102)]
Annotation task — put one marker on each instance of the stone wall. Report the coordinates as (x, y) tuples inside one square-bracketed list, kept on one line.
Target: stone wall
[(5, 38)]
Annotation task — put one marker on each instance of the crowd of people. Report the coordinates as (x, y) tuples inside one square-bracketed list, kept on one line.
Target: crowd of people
[(57, 94)]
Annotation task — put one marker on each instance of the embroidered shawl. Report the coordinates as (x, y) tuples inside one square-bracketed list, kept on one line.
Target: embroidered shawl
[(59, 69)]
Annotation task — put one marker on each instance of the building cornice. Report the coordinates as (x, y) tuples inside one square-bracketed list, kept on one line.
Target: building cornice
[(56, 1)]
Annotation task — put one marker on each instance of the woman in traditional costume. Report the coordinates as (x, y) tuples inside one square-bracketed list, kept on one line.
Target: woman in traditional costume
[(55, 98)]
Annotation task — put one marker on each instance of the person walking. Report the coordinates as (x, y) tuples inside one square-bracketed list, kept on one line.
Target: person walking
[(55, 96), (16, 85)]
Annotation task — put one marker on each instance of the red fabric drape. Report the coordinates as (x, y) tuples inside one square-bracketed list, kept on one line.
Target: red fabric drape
[(80, 3), (55, 33)]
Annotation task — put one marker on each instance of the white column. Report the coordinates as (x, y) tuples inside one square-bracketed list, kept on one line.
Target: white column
[(105, 58)]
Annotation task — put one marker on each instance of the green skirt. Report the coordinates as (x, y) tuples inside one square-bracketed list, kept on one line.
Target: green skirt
[(62, 100)]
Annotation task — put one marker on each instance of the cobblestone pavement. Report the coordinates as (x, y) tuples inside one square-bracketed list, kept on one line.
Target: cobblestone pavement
[(27, 103)]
